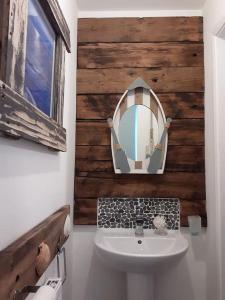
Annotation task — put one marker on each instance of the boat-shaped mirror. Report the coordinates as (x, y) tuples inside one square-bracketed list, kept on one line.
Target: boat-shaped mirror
[(139, 131)]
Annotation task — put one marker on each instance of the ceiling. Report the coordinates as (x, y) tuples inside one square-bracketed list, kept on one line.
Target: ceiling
[(117, 5)]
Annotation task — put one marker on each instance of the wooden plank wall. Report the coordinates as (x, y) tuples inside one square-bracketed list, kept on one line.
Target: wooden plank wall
[(1, 34), (4, 24), (168, 54)]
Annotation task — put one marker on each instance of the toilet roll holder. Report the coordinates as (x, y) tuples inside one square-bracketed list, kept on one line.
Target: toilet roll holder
[(61, 251), (33, 289)]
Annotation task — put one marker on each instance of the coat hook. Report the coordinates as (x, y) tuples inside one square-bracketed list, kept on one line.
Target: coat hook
[(43, 258)]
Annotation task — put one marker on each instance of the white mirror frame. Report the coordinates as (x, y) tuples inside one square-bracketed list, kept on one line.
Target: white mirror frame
[(126, 101)]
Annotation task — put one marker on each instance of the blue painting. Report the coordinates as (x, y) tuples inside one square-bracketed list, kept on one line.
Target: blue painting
[(40, 53)]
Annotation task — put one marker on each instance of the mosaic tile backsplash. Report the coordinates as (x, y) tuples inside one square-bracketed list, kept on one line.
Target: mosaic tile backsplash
[(122, 212)]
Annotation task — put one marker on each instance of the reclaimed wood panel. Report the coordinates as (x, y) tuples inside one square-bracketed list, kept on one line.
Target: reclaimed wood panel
[(19, 118), (182, 132), (121, 30), (179, 159), (1, 36), (168, 54), (183, 185), (139, 55), (93, 153), (16, 47), (164, 80), (58, 85), (17, 261), (85, 211), (4, 29), (176, 105)]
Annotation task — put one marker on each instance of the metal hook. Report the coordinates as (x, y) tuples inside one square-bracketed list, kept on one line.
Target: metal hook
[(26, 290), (34, 289)]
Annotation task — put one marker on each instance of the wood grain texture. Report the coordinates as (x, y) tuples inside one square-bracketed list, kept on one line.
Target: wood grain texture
[(15, 68), (85, 211), (168, 54), (179, 159), (139, 55), (19, 118), (182, 132), (175, 105), (58, 85), (5, 13), (133, 30), (1, 28), (165, 80), (183, 185), (17, 261)]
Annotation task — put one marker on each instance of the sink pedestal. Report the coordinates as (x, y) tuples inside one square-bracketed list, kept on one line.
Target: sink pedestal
[(140, 286), (139, 257)]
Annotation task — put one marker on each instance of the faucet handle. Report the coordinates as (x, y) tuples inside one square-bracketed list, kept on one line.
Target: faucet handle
[(137, 209), (139, 225), (139, 220)]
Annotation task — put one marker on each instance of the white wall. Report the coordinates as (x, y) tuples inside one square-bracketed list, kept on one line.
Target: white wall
[(139, 13), (214, 16), (34, 181), (141, 8), (149, 5)]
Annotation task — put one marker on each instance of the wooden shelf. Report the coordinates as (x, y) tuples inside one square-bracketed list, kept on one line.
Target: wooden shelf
[(17, 261)]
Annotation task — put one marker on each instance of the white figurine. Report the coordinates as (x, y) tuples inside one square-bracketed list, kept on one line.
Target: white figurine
[(160, 225)]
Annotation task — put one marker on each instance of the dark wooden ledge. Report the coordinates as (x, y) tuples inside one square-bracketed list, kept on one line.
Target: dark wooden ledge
[(17, 261)]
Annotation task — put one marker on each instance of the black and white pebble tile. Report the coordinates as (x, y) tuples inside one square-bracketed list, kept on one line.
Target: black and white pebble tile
[(122, 212)]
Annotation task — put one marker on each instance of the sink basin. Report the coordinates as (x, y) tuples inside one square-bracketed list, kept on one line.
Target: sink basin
[(122, 250), (139, 257)]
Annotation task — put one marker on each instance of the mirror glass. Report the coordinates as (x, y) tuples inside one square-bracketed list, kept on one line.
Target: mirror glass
[(138, 132)]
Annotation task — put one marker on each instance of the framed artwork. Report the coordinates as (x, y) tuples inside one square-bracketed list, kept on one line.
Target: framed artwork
[(33, 38)]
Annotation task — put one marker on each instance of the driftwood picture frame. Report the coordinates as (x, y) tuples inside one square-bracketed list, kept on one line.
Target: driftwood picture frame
[(19, 118)]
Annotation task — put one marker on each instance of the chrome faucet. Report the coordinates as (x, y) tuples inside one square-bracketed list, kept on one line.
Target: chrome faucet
[(139, 223)]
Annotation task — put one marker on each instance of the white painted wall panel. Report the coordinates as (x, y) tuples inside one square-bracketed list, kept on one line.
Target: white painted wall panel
[(214, 17), (34, 181), (102, 5)]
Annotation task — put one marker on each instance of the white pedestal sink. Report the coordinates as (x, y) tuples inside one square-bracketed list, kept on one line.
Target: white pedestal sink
[(139, 257)]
